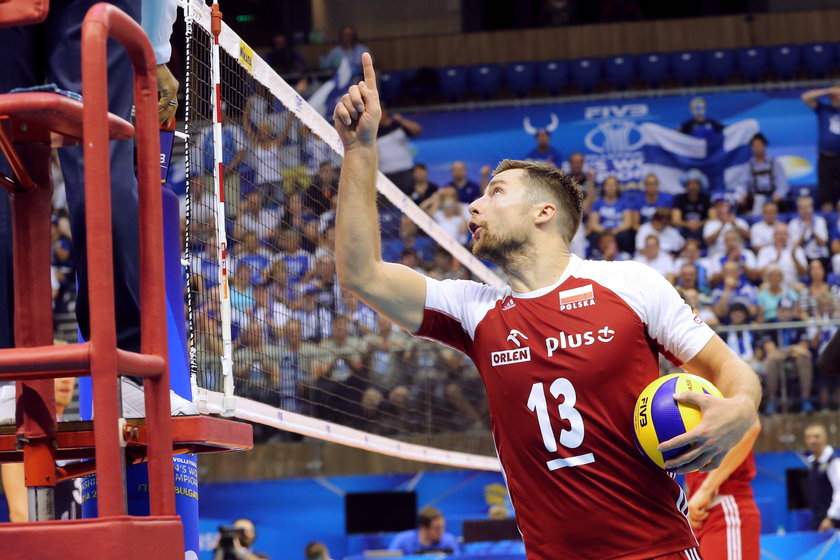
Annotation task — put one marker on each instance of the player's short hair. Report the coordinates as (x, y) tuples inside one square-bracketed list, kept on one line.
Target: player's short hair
[(428, 514), (562, 188)]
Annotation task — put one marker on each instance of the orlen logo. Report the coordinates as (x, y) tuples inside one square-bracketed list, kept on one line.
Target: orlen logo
[(504, 357), (577, 297), (576, 340)]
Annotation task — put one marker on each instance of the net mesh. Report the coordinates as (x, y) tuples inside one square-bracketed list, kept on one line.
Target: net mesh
[(299, 342)]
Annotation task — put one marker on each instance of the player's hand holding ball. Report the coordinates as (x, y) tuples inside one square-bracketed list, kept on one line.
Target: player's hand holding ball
[(358, 112), (659, 417)]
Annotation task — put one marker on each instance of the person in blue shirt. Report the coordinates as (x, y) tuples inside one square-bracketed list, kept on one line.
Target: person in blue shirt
[(430, 535), (544, 151), (828, 144), (611, 213), (653, 198)]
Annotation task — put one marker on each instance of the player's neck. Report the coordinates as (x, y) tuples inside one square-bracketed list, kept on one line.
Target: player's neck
[(533, 271)]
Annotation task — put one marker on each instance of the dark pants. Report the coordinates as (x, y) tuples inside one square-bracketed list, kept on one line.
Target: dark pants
[(828, 175), (51, 52)]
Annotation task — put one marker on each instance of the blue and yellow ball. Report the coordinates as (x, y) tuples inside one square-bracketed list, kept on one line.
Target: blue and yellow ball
[(658, 417)]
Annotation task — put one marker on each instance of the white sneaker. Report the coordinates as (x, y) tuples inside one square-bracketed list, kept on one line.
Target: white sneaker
[(134, 403)]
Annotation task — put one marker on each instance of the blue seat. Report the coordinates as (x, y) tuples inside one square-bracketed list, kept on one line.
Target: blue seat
[(519, 77), (453, 82), (719, 64), (552, 76), (686, 66), (784, 59), (653, 68), (484, 79), (586, 73), (752, 62), (818, 58), (389, 86), (620, 70)]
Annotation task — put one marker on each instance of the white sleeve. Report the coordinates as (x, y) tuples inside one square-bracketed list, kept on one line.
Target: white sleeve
[(157, 17), (669, 320), (463, 301), (749, 258), (780, 179), (833, 473), (753, 235), (821, 228)]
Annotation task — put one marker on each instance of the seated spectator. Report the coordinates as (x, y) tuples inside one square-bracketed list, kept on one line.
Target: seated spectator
[(745, 343), (465, 189), (714, 232), (339, 375), (242, 289), (348, 48), (835, 243), (461, 388), (410, 238), (771, 292), (451, 219), (815, 287), (430, 535), (283, 58), (608, 250), (298, 262), (761, 232), (691, 208), (255, 217), (250, 252), (324, 187), (361, 319), (809, 231), (422, 188), (686, 277), (734, 289), (789, 257), (761, 179), (293, 355), (792, 344), (544, 151), (316, 551), (315, 321), (265, 157), (652, 200), (652, 256), (255, 363), (820, 332), (692, 254), (610, 213), (299, 219), (733, 247), (583, 176), (387, 394), (670, 240)]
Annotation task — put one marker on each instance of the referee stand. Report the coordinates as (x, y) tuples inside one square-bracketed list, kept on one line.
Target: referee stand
[(31, 123)]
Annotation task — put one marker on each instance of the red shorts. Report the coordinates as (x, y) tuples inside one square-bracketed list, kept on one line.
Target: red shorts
[(689, 554), (731, 532)]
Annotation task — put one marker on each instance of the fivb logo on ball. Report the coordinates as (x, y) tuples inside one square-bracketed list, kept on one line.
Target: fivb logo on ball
[(576, 298)]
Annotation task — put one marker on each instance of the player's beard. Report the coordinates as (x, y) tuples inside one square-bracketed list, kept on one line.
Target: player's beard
[(500, 250)]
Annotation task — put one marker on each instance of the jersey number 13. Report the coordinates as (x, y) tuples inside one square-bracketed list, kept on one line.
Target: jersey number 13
[(570, 438)]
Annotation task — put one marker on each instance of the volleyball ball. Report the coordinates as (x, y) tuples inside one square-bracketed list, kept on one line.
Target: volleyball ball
[(658, 417)]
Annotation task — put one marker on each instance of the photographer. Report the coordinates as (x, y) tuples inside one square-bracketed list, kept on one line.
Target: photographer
[(236, 542)]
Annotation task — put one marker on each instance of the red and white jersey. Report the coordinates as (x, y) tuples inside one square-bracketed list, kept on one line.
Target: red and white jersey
[(563, 367)]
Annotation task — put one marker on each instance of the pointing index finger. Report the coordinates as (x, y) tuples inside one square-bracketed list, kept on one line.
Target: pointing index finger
[(370, 75)]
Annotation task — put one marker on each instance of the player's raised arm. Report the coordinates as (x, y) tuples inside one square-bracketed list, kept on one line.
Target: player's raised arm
[(395, 290)]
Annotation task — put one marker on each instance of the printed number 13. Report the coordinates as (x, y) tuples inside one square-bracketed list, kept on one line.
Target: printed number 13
[(569, 438)]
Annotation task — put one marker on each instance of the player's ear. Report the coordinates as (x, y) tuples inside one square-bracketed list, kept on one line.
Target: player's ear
[(544, 212)]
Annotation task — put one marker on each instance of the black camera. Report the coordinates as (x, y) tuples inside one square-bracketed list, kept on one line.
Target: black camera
[(227, 535)]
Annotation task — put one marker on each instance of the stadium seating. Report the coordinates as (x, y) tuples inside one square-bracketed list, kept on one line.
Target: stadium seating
[(818, 58), (552, 76), (784, 60), (653, 68), (752, 62), (519, 77), (620, 70), (484, 79), (389, 86), (453, 82), (719, 64), (686, 66), (586, 73)]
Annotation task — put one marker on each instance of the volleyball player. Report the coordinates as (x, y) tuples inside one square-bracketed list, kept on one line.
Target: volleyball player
[(563, 351)]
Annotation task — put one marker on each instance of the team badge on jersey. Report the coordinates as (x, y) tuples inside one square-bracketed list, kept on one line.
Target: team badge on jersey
[(515, 356), (576, 298)]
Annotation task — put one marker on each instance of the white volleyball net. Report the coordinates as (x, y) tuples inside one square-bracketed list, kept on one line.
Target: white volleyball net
[(274, 339)]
